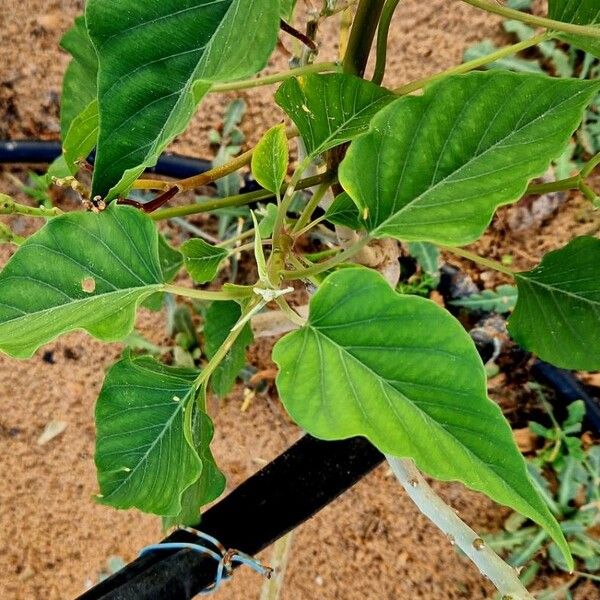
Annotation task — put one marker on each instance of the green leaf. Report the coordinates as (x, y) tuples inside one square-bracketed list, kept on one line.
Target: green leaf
[(501, 300), (202, 260), (581, 12), (402, 372), (270, 159), (81, 137), (428, 258), (142, 455), (220, 318), (330, 109), (211, 483), (558, 312), (435, 167), (343, 211), (157, 61), (80, 271), (79, 83)]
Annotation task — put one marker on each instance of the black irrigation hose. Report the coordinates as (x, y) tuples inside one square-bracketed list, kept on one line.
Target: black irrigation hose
[(37, 152), (284, 494)]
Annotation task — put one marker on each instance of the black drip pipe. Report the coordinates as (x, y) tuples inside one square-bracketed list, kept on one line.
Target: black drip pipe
[(285, 493)]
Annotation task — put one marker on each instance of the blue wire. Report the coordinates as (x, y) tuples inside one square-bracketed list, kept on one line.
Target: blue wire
[(223, 568)]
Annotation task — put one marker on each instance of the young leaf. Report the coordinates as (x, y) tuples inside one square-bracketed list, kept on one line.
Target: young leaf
[(270, 159), (143, 457), (468, 145), (220, 318), (343, 211), (558, 312), (330, 109), (402, 372), (202, 260), (211, 483), (157, 60), (80, 271), (79, 83), (582, 12), (501, 300)]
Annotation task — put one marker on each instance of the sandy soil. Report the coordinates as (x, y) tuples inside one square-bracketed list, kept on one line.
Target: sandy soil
[(370, 544)]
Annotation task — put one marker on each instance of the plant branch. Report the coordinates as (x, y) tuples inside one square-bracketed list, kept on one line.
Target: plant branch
[(502, 575), (590, 165), (535, 21), (361, 36), (382, 39), (237, 200), (8, 236), (338, 259), (9, 207), (571, 183), (298, 35), (312, 205), (473, 64), (484, 262), (324, 67)]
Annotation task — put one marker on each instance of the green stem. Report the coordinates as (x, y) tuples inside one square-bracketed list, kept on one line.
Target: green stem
[(571, 183), (590, 165), (9, 207), (237, 200), (328, 264), (312, 205), (9, 237), (324, 67), (382, 39), (238, 238), (363, 31), (473, 64), (237, 293), (485, 262), (225, 347), (310, 226), (589, 193), (535, 21)]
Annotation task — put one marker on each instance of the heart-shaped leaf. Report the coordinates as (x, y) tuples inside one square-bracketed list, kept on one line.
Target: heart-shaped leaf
[(402, 372), (202, 260), (330, 109), (435, 167), (558, 311), (580, 12), (156, 62), (80, 271), (143, 455)]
